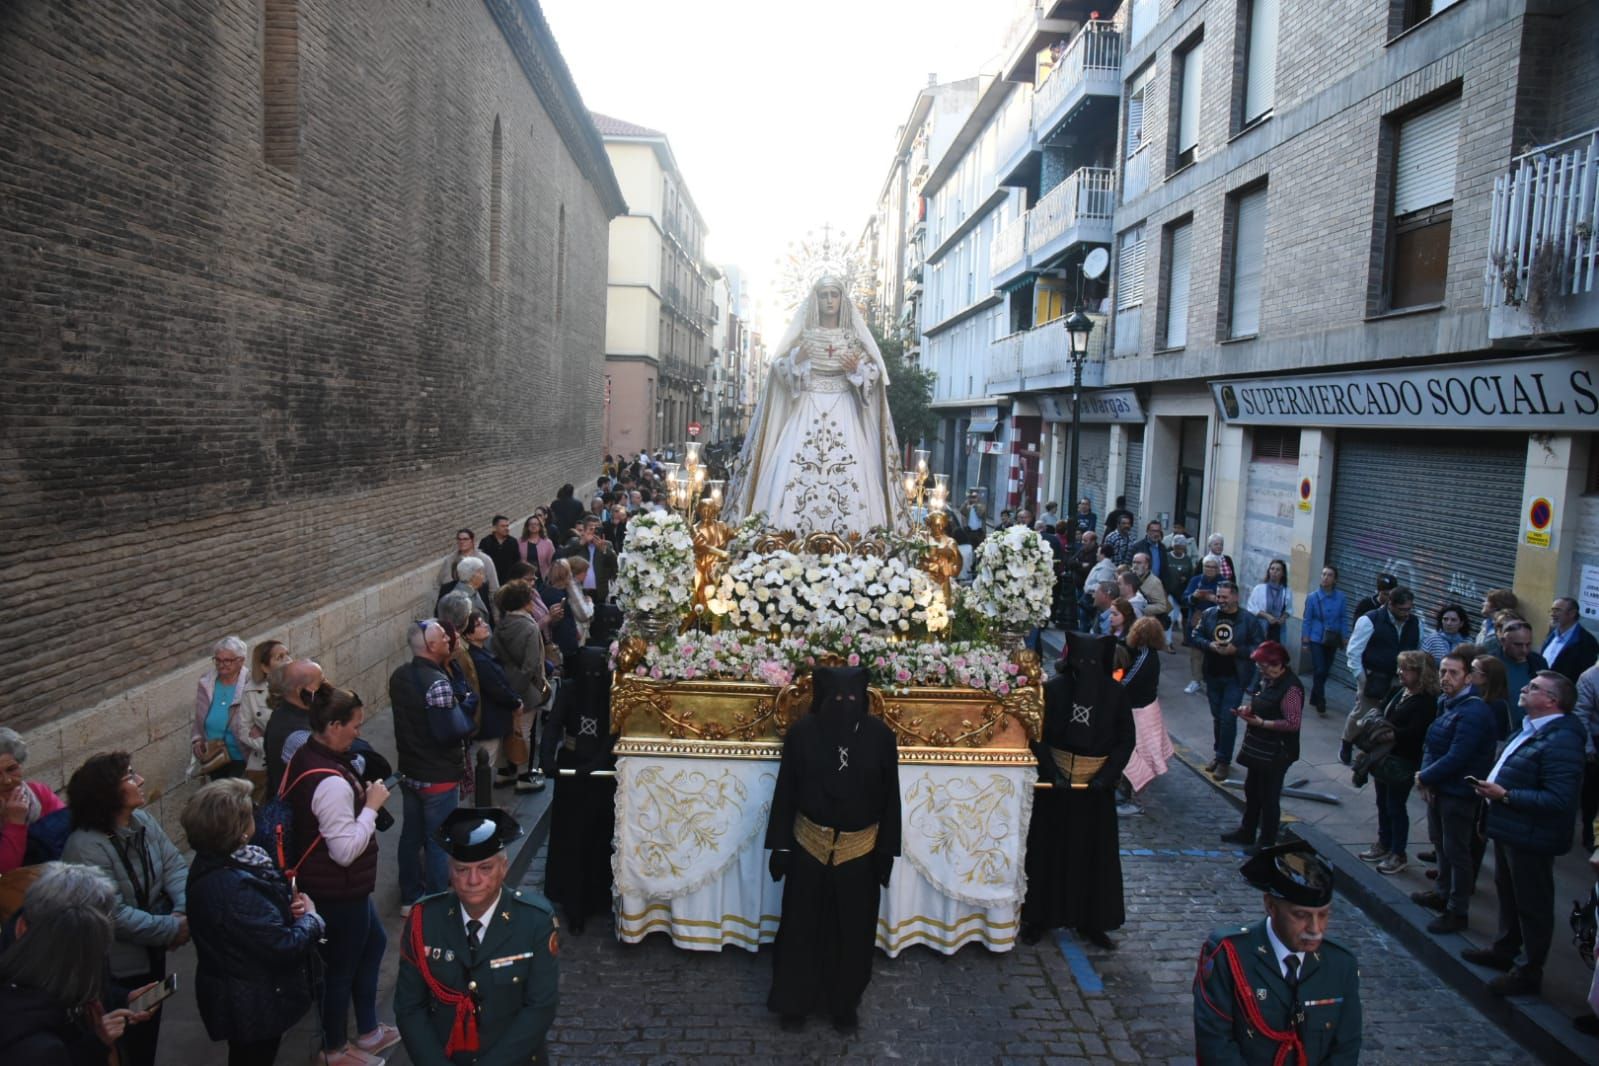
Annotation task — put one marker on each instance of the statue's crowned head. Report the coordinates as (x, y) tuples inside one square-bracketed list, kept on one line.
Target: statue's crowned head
[(828, 295)]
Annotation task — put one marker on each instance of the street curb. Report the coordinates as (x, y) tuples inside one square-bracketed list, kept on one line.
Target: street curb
[(1533, 1023), (530, 843)]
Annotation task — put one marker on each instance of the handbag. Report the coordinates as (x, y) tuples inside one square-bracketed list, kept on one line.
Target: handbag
[(1393, 770), (453, 725), (214, 757)]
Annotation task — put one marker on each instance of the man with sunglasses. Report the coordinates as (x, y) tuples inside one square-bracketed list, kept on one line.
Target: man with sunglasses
[(1532, 796)]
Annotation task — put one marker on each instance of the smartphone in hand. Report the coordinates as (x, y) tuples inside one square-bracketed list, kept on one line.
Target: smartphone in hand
[(1472, 781), (147, 1000)]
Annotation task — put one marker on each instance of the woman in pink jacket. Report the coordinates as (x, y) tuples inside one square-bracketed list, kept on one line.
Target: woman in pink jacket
[(22, 803)]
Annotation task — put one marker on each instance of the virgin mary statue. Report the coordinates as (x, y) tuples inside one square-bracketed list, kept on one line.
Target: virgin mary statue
[(820, 455)]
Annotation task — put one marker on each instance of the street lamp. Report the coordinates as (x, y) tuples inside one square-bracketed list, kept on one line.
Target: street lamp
[(1078, 327)]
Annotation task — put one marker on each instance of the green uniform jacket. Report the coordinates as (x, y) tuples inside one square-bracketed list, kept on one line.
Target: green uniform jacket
[(516, 973), (1329, 993)]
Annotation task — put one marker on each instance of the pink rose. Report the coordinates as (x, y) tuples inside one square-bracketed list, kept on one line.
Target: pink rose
[(1004, 689), (1012, 669), (853, 660), (902, 674), (655, 672), (640, 671)]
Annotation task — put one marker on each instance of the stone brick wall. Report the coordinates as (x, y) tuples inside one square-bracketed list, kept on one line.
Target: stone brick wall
[(1321, 153), (257, 398)]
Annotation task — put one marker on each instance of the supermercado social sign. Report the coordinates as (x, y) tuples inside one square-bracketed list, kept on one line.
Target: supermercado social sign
[(1536, 393)]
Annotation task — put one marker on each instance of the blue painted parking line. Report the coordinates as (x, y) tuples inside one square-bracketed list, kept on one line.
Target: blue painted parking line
[(1077, 960), (1183, 853)]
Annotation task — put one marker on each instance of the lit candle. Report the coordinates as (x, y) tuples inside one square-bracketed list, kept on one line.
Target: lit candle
[(910, 484)]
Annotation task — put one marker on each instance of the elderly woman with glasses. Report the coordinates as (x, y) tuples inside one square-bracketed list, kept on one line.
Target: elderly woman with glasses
[(22, 803), (253, 934), (113, 832), (220, 737)]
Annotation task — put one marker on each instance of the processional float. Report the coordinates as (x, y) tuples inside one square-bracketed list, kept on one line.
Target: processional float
[(723, 627)]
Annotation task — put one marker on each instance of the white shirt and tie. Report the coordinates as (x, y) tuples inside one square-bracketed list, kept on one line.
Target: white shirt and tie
[(474, 937), (1283, 955)]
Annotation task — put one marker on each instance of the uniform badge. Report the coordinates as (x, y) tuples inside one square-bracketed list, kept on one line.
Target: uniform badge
[(1261, 994), (449, 956), (437, 954), (555, 944)]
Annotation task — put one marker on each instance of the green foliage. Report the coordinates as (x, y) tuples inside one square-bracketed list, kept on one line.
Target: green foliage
[(910, 392)]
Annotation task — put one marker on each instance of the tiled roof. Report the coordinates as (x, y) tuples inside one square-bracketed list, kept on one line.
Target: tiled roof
[(615, 127)]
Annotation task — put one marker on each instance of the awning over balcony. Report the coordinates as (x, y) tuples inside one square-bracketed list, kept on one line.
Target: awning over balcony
[(1021, 281)]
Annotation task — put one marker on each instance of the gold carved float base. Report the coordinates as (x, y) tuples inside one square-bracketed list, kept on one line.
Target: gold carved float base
[(747, 720)]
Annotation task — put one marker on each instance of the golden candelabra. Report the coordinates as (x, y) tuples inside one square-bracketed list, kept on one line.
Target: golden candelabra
[(921, 500), (687, 484)]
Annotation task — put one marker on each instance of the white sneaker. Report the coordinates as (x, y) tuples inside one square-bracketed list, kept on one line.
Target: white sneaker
[(1191, 688), (1128, 810)]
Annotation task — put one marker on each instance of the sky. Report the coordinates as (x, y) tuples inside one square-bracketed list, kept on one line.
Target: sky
[(781, 116)]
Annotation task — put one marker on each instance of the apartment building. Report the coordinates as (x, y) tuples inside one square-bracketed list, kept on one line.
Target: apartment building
[(893, 243), (659, 312), (1353, 288), (1349, 312), (1014, 207)]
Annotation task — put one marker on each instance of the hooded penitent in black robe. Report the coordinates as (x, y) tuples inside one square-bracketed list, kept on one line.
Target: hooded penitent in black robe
[(841, 770), (583, 810), (1074, 870)]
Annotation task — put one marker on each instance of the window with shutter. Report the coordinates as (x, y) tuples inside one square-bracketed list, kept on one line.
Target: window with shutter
[(1135, 119), (1249, 257), (1175, 331), (1188, 105), (1130, 269), (1424, 192), (1260, 76)]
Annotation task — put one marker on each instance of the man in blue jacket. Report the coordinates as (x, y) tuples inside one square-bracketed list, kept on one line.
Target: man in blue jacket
[(1460, 745), (1532, 800)]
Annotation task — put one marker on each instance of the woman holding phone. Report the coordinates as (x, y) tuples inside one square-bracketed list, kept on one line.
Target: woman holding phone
[(336, 861)]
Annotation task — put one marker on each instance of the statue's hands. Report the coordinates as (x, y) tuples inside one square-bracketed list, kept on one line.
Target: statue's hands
[(851, 362)]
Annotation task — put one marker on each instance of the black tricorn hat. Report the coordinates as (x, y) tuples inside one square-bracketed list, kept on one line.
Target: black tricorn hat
[(472, 834), (1291, 872)]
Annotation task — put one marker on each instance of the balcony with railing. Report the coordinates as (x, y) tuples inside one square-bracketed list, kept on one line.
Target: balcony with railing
[(1039, 358), (1076, 211), (1007, 253), (1543, 243), (1090, 67)]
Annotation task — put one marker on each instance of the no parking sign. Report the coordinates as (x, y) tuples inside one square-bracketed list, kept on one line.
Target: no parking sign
[(1540, 517)]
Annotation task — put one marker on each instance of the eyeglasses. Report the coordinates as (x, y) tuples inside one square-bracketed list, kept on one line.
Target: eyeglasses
[(226, 660), (132, 775), (1533, 686)]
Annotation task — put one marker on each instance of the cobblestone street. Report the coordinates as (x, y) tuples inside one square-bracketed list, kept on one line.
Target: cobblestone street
[(1056, 1002)]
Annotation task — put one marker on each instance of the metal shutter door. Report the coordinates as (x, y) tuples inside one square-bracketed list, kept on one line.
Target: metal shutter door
[(1135, 477), (1091, 471), (1399, 510), (1425, 173), (1249, 258), (1177, 286), (1261, 86), (1188, 112)]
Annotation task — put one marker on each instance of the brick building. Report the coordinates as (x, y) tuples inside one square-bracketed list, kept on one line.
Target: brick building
[(291, 291), (1350, 292)]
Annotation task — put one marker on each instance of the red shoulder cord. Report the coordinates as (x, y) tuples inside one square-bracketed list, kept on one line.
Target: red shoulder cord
[(463, 1034), (1286, 1042)]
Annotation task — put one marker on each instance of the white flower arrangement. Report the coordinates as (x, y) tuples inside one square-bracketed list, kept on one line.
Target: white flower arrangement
[(655, 573), (781, 592), (1015, 579), (892, 664), (746, 533)]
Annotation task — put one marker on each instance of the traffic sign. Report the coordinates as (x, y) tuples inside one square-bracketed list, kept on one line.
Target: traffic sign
[(694, 429)]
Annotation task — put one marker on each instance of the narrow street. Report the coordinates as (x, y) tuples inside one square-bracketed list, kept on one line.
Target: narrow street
[(1055, 1002)]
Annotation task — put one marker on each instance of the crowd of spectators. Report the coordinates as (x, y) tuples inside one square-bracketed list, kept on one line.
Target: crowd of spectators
[(1496, 730), (281, 912)]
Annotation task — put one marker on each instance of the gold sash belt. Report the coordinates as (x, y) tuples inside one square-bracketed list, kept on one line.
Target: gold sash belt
[(833, 847), (1078, 769)]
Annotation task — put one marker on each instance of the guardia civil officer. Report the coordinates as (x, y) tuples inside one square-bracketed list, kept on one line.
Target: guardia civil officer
[(478, 974), (1279, 991)]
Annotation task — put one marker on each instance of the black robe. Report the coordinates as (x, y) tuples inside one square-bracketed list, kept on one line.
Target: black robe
[(1074, 869), (823, 955), (583, 809)]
